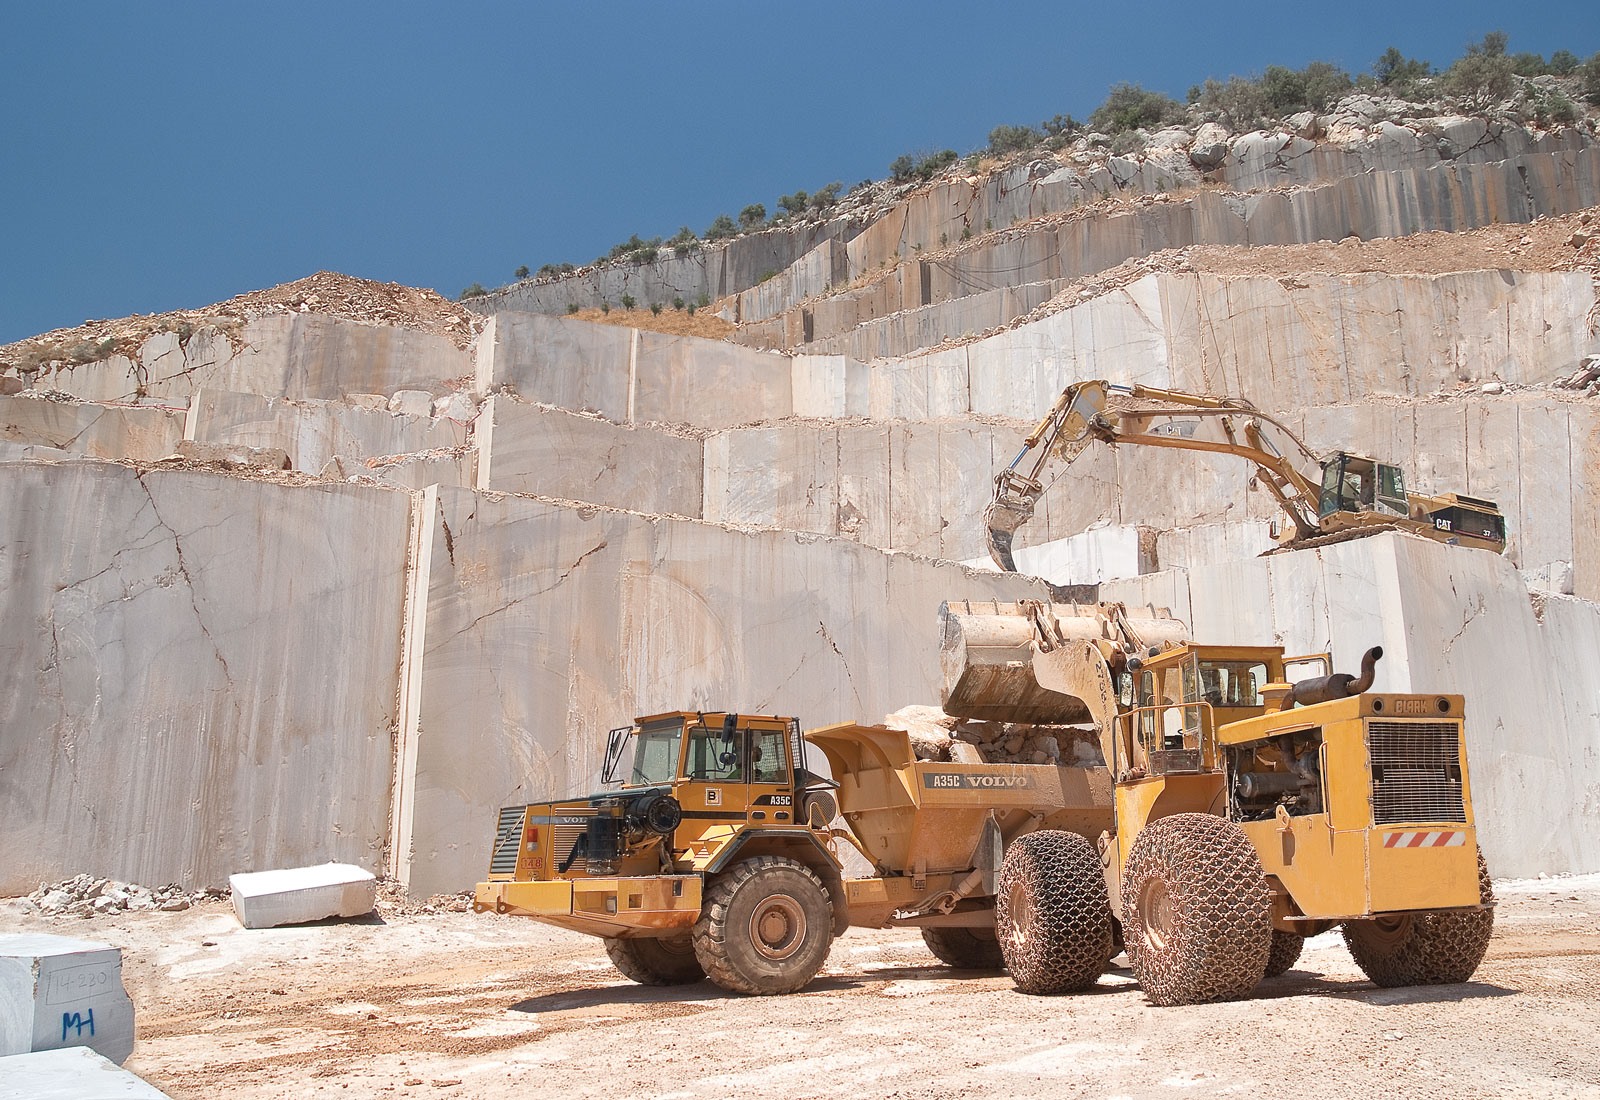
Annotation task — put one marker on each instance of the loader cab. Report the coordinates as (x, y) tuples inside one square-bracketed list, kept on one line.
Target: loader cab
[(1178, 697), (1351, 483)]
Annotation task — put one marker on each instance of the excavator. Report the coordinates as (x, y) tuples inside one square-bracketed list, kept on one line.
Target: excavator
[(1354, 496)]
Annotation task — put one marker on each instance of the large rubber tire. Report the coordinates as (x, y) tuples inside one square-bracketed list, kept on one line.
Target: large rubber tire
[(656, 961), (1424, 948), (765, 927), (1196, 911), (965, 948), (1286, 948), (1053, 915)]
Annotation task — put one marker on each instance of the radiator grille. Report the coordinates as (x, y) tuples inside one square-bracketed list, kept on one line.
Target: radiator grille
[(569, 825), (1416, 772), (507, 840)]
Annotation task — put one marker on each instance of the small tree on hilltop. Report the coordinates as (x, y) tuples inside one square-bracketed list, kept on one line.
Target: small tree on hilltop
[(1484, 76), (1130, 107)]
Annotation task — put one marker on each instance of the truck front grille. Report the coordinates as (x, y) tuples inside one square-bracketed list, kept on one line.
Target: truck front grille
[(507, 840), (1416, 772), (569, 825)]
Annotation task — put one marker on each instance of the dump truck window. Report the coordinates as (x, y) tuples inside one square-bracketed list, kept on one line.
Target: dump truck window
[(713, 756), (655, 753), (767, 763)]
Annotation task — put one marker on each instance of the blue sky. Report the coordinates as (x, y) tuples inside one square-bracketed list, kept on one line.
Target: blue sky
[(168, 155)]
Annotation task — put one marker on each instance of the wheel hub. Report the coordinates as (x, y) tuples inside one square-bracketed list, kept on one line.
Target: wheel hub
[(1021, 912), (777, 926), (1155, 913), (1388, 932)]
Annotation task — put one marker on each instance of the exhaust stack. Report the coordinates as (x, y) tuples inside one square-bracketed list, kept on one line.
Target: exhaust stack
[(1340, 685)]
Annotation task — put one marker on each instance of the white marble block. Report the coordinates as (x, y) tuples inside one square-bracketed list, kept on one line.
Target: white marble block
[(266, 899), (72, 1073), (60, 992)]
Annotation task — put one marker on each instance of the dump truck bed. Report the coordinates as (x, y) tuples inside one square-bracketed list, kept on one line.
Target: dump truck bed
[(925, 819)]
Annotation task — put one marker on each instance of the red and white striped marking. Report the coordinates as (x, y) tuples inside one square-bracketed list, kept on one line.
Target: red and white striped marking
[(1425, 838)]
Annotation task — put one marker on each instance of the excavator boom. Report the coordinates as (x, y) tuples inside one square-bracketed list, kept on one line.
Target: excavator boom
[(1161, 418), (1352, 505)]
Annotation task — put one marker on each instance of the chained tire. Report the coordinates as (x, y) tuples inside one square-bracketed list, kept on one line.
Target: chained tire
[(1424, 948), (765, 927), (965, 948), (1285, 952), (1196, 911), (656, 961), (1052, 915)]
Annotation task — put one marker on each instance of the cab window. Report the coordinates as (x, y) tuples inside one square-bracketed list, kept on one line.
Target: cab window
[(714, 754), (655, 753), (767, 757), (1392, 490), (1232, 683)]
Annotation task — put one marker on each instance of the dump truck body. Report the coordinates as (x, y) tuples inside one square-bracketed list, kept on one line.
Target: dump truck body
[(934, 831)]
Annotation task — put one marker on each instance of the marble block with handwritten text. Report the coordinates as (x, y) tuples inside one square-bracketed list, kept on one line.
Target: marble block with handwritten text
[(56, 991)]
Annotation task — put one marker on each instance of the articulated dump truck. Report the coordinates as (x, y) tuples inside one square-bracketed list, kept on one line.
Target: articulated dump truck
[(1223, 823)]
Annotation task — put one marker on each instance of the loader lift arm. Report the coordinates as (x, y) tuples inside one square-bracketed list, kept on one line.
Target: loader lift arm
[(1083, 414)]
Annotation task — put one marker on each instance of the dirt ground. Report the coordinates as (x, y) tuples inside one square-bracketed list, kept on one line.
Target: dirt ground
[(483, 1006)]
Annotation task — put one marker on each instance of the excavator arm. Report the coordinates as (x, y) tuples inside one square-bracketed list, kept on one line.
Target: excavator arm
[(1084, 413)]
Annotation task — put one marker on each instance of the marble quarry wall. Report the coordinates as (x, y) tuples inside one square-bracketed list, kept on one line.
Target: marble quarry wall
[(200, 674), (317, 435), (133, 431), (710, 270), (547, 624), (1450, 620), (626, 375), (987, 284), (281, 355), (480, 560), (207, 679)]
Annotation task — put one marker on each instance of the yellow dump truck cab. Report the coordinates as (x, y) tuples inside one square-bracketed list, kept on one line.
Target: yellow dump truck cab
[(1240, 812), (707, 854)]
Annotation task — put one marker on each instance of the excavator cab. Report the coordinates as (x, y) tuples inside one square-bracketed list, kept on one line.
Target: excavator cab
[(1351, 483)]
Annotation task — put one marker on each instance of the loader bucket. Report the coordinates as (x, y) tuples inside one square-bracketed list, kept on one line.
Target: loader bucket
[(986, 656), (1031, 662)]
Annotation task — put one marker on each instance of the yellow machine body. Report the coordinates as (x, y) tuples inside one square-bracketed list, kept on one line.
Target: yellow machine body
[(1358, 807)]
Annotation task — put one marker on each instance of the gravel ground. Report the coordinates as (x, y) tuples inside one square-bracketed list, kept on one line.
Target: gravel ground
[(483, 1006)]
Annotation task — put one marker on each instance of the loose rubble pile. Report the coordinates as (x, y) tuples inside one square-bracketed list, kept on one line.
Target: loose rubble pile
[(88, 896), (1585, 378), (327, 293), (936, 735)]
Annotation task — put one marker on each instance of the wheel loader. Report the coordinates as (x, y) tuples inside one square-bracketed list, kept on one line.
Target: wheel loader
[(716, 851), (1251, 812)]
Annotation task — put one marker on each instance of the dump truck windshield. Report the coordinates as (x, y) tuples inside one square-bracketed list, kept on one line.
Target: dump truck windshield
[(655, 752)]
